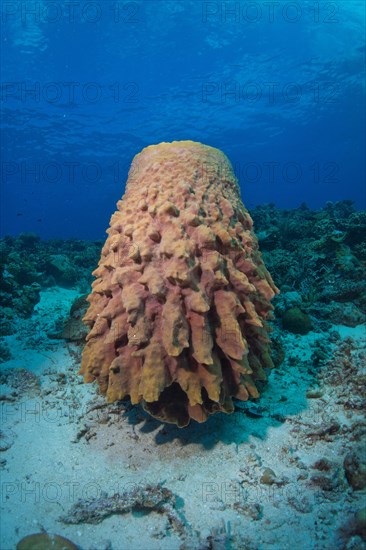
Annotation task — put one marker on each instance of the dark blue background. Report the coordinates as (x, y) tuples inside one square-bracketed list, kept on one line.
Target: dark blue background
[(150, 71)]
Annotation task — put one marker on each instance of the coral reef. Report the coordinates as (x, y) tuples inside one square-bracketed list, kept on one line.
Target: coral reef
[(29, 265), (319, 269), (319, 254), (179, 307)]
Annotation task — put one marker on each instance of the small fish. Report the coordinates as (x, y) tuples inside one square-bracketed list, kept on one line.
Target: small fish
[(19, 214)]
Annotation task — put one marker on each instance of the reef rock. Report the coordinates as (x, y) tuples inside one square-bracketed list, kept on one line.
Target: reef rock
[(296, 321), (179, 306), (355, 469), (44, 541)]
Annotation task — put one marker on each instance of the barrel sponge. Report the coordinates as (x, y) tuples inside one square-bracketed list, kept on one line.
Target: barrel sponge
[(179, 308)]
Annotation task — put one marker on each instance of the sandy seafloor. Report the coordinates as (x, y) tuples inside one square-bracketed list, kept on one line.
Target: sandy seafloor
[(57, 452)]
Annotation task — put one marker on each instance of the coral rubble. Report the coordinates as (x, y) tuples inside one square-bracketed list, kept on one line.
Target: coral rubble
[(139, 498), (179, 306)]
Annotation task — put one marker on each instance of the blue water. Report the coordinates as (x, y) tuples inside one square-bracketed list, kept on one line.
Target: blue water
[(278, 86)]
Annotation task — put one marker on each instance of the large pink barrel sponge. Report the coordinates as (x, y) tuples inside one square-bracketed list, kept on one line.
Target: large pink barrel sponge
[(179, 306)]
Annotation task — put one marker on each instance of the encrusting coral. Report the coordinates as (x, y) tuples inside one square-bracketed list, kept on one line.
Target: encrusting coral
[(179, 306)]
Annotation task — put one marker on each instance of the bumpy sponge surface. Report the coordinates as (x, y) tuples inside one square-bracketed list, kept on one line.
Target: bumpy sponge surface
[(178, 309)]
